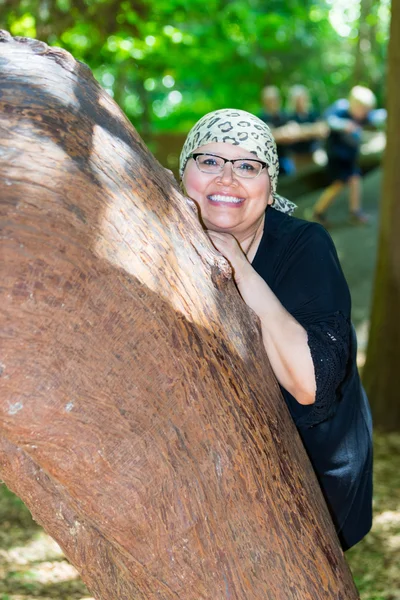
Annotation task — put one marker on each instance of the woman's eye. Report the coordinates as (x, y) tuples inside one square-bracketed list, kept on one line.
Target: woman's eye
[(246, 166), (208, 161)]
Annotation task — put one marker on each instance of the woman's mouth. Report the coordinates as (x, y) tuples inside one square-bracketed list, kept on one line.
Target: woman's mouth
[(226, 200)]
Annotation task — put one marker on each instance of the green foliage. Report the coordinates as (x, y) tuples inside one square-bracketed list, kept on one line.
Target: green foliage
[(374, 562), (167, 62)]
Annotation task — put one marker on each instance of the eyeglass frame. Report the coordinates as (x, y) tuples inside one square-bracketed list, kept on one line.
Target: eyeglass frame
[(227, 160)]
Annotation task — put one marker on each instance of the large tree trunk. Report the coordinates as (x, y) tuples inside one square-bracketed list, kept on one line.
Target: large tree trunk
[(381, 373), (140, 420), (362, 50)]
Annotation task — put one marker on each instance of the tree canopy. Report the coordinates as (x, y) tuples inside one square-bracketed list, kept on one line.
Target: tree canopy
[(167, 62)]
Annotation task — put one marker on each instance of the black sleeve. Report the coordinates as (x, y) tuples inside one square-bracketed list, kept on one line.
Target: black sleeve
[(312, 287)]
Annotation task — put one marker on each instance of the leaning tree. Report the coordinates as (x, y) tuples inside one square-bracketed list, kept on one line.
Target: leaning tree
[(381, 373), (140, 420)]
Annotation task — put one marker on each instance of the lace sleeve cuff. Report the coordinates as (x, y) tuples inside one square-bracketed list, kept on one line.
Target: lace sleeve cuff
[(329, 346)]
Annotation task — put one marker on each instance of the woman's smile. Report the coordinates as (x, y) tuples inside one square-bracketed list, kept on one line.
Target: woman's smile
[(226, 200)]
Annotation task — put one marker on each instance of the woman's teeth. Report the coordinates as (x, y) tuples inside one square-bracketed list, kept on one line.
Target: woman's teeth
[(226, 199)]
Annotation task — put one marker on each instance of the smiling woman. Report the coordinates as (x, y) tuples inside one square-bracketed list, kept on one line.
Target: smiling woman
[(232, 192), (288, 272)]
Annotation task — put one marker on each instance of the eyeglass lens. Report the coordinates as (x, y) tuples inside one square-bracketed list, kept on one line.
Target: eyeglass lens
[(241, 167)]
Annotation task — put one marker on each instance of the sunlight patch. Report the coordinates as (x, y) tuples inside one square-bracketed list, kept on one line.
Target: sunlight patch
[(135, 239), (41, 548), (52, 572), (387, 519)]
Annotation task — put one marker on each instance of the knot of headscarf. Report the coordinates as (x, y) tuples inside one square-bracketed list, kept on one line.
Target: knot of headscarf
[(239, 128)]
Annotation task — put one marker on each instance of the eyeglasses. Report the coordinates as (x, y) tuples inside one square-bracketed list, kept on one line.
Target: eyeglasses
[(213, 164)]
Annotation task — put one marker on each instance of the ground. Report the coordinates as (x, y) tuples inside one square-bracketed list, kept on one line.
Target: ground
[(32, 566)]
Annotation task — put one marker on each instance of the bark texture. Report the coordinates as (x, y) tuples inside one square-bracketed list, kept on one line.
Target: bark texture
[(364, 47), (381, 373), (140, 420)]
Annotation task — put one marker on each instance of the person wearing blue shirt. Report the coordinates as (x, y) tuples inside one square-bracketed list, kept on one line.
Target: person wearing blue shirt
[(346, 119)]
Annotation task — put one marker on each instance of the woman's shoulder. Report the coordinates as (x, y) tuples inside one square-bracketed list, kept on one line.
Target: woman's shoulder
[(284, 228), (298, 259), (293, 241)]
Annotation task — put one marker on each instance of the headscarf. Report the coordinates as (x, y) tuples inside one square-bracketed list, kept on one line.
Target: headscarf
[(239, 128)]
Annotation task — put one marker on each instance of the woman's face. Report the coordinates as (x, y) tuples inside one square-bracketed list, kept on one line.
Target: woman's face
[(227, 202)]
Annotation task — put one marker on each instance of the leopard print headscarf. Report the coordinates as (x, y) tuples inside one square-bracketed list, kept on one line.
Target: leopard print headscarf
[(243, 129)]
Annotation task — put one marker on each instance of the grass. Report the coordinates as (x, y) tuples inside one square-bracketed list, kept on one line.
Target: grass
[(32, 565), (375, 562)]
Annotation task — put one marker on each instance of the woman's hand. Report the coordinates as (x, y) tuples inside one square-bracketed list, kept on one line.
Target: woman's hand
[(246, 278), (229, 247)]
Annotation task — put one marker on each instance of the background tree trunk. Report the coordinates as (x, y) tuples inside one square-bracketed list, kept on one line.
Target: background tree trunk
[(140, 420), (381, 372), (363, 47)]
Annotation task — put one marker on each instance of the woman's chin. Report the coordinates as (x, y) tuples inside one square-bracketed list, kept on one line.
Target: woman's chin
[(220, 220), (223, 225)]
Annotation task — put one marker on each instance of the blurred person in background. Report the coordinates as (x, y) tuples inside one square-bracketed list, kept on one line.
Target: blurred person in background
[(273, 115), (301, 111), (346, 119)]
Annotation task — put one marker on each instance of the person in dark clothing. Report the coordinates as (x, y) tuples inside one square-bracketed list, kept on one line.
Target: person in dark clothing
[(346, 119), (273, 115), (300, 111), (287, 270)]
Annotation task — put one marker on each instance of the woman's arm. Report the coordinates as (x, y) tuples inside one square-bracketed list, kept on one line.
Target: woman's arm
[(285, 340)]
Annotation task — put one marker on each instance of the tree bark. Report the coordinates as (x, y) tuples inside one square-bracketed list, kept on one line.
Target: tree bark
[(381, 372), (140, 420), (360, 74)]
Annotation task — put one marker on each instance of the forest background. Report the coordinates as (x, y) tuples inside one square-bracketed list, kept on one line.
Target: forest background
[(166, 63)]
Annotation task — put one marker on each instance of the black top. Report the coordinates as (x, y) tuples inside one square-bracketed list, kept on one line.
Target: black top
[(304, 146), (274, 120), (298, 260)]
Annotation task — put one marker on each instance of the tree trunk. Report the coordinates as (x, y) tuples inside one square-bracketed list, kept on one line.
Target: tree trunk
[(363, 47), (140, 420), (381, 372)]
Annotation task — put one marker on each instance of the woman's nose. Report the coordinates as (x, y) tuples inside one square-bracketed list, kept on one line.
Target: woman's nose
[(227, 174)]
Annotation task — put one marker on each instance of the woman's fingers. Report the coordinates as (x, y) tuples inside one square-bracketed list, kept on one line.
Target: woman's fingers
[(222, 240), (192, 205), (227, 245)]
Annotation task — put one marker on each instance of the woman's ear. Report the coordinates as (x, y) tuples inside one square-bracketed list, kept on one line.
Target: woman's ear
[(270, 200)]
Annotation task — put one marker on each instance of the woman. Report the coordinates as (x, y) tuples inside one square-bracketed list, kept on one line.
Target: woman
[(288, 272)]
